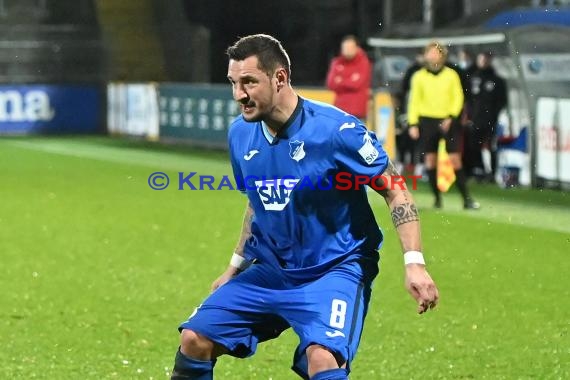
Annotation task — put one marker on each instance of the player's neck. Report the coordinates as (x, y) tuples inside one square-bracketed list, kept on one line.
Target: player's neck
[(282, 110)]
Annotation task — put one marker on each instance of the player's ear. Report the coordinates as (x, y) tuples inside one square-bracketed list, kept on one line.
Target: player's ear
[(281, 78)]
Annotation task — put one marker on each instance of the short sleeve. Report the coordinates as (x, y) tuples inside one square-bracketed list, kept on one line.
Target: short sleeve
[(238, 177), (236, 168), (358, 151)]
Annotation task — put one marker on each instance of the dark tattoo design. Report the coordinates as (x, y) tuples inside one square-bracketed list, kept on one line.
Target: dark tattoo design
[(391, 169), (390, 172), (404, 213)]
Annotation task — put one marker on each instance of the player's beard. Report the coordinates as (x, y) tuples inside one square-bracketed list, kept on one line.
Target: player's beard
[(250, 112), (256, 113)]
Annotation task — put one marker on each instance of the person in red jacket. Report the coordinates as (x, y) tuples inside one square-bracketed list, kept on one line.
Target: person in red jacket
[(349, 77)]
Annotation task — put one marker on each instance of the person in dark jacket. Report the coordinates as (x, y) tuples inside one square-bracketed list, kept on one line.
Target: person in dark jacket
[(408, 154), (488, 97), (407, 79), (465, 68)]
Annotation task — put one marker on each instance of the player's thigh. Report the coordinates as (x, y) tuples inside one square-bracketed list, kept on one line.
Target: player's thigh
[(238, 315), (330, 312), (430, 133)]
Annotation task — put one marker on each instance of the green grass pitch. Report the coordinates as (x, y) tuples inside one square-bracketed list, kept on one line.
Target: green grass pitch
[(97, 270)]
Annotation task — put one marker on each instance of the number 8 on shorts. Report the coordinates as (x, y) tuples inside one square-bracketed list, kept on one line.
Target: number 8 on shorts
[(338, 313)]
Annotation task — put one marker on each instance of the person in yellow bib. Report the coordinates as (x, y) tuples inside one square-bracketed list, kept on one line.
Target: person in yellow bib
[(435, 104)]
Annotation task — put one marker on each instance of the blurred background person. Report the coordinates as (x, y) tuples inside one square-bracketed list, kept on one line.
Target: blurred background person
[(418, 64), (349, 77), (488, 98), (408, 154), (465, 67), (435, 104), (465, 60)]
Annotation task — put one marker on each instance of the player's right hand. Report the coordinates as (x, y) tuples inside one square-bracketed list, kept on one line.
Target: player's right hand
[(421, 287), (414, 132), (230, 273)]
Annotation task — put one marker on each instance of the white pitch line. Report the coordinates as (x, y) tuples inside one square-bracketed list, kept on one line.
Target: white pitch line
[(78, 149)]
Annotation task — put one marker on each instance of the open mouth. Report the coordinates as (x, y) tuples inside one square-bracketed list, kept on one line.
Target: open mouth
[(247, 107)]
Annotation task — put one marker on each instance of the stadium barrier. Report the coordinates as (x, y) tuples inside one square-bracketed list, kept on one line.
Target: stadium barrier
[(201, 114), (39, 109), (197, 114), (553, 135), (132, 110), (382, 121)]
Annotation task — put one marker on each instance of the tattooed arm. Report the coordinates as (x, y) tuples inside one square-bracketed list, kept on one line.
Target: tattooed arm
[(245, 229), (402, 209), (407, 222)]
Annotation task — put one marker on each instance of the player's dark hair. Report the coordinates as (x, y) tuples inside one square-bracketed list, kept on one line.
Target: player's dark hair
[(268, 50)]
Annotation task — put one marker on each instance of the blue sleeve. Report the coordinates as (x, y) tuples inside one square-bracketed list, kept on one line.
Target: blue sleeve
[(238, 177), (236, 168), (357, 150)]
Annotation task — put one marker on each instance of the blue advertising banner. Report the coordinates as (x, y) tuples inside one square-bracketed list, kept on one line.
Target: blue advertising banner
[(28, 109)]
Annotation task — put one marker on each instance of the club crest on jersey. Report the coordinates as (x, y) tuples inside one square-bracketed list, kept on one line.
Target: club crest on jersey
[(297, 151), (368, 152), (275, 194)]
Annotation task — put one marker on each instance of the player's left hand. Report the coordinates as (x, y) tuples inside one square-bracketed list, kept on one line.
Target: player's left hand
[(229, 273), (421, 286)]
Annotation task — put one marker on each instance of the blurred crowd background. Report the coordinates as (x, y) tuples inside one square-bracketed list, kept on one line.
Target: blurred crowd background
[(157, 69)]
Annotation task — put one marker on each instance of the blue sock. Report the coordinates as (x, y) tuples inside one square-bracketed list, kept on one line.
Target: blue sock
[(331, 374), (186, 368)]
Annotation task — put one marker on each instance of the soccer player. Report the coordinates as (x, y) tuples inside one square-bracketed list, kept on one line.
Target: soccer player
[(436, 100), (314, 246)]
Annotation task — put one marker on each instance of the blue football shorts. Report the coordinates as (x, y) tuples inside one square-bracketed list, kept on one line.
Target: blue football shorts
[(260, 303)]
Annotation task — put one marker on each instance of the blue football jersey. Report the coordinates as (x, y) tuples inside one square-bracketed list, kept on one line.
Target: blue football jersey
[(304, 223)]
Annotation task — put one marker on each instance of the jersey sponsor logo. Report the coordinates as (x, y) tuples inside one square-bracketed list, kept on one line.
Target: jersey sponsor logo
[(368, 152), (335, 334), (250, 154), (347, 126), (275, 194), (297, 151)]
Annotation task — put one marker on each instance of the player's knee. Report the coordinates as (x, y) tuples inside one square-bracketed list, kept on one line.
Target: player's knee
[(195, 345), (321, 359)]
